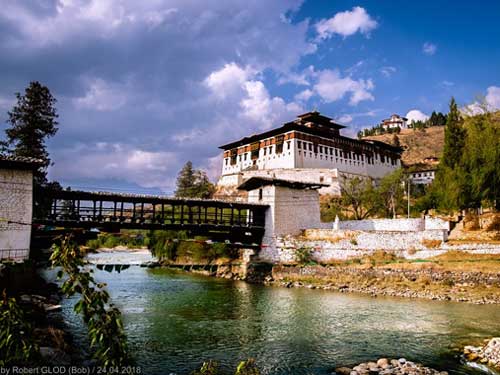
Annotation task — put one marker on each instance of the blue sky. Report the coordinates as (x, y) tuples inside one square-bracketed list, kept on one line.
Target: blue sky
[(142, 87)]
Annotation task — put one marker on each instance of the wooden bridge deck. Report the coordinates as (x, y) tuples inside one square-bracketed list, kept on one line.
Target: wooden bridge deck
[(233, 221)]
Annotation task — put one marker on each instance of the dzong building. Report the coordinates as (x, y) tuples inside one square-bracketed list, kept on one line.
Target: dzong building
[(308, 149)]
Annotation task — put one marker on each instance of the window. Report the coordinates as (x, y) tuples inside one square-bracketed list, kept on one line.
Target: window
[(260, 194), (299, 145), (226, 160), (288, 145), (265, 150), (245, 156), (234, 156), (254, 150), (320, 149), (310, 146), (280, 139)]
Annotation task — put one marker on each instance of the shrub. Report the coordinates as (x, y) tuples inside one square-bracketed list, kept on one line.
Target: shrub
[(104, 325), (208, 368), (247, 368), (16, 334), (412, 251), (164, 244), (93, 244), (303, 255), (431, 244), (110, 241)]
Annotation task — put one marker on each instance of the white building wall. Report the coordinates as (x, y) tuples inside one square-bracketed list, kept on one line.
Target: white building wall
[(290, 211), (16, 205), (305, 158)]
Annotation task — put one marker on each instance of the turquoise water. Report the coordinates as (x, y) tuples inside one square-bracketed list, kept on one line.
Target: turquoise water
[(175, 321)]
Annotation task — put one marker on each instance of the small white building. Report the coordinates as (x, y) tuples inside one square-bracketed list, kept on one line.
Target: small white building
[(309, 149), (395, 121), (422, 176), (16, 206)]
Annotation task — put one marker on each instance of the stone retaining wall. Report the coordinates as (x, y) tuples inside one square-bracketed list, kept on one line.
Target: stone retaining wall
[(470, 278), (324, 247)]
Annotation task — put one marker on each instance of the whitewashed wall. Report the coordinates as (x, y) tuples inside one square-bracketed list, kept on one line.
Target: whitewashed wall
[(16, 205), (384, 225)]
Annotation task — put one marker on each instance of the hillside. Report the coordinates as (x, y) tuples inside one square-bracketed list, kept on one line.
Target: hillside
[(417, 144)]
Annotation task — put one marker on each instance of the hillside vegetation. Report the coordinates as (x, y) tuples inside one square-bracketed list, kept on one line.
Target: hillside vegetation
[(417, 144)]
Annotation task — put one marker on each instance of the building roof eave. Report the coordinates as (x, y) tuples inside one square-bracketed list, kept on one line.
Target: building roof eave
[(257, 182)]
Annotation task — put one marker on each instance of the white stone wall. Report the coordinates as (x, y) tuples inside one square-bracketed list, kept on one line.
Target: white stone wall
[(387, 225), (230, 180), (16, 205), (432, 223), (408, 245), (290, 211)]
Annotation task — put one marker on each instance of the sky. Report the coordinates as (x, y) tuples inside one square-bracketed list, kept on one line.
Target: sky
[(144, 86)]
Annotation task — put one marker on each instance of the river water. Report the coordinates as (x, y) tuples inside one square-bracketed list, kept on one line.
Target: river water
[(175, 321)]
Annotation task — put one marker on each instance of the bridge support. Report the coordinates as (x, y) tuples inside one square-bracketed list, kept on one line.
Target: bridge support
[(293, 207)]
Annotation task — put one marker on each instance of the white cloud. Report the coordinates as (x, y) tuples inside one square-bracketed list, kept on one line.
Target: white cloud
[(304, 95), (493, 97), (416, 115), (149, 169), (229, 80), (388, 71), (346, 23), (491, 102), (429, 48), (301, 78), (102, 96), (261, 108), (345, 119), (332, 87), (123, 49)]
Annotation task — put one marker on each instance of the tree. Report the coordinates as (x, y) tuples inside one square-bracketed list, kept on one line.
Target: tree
[(390, 193), (358, 197), (481, 159), (32, 120), (395, 141), (193, 183), (454, 137)]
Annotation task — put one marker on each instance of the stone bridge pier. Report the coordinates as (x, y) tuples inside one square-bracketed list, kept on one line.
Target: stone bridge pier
[(292, 207)]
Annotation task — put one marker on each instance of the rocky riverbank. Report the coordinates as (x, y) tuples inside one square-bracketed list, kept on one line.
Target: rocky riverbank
[(487, 354), (39, 301), (385, 366), (429, 283)]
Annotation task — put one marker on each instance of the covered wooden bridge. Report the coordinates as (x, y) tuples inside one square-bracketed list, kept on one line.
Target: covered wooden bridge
[(220, 220)]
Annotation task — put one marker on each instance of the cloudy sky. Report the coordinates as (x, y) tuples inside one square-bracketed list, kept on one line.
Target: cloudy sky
[(144, 86)]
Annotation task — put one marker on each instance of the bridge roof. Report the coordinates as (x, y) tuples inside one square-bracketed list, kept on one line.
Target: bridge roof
[(144, 198), (257, 182)]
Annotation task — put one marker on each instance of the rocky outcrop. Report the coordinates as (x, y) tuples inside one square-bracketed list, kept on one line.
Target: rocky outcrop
[(385, 366), (489, 354)]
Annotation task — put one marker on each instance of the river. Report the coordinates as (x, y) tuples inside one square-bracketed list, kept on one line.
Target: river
[(175, 321)]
